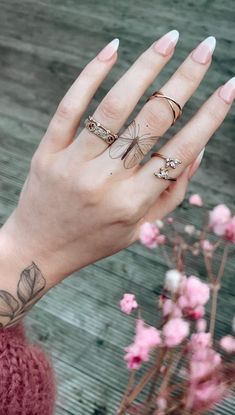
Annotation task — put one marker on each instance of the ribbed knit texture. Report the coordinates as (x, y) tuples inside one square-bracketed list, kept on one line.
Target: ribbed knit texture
[(27, 384)]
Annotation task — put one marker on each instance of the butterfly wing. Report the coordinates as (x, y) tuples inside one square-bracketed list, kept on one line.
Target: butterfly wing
[(133, 158), (119, 147), (137, 153), (146, 143)]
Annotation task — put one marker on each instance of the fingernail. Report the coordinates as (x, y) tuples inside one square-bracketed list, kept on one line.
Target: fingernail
[(203, 52), (109, 50), (166, 44), (196, 164), (227, 91)]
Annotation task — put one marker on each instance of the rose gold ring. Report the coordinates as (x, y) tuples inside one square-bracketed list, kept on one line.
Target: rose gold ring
[(175, 107), (170, 163), (100, 131)]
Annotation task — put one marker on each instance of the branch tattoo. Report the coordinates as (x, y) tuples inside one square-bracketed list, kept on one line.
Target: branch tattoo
[(29, 287), (131, 146)]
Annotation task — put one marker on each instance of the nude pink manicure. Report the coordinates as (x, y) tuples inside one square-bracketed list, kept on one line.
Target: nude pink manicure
[(109, 50), (196, 164), (203, 52), (227, 91), (166, 44)]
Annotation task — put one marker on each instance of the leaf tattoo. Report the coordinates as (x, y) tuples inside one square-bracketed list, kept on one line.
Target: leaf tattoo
[(30, 284), (8, 304)]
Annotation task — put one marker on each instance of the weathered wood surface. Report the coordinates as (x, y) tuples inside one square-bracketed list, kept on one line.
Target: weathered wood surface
[(43, 46)]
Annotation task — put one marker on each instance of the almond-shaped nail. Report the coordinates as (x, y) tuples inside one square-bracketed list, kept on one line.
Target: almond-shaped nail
[(166, 44), (227, 91), (109, 50), (196, 164), (203, 52)]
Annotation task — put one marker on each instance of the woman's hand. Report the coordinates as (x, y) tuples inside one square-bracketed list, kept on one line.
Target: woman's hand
[(78, 203)]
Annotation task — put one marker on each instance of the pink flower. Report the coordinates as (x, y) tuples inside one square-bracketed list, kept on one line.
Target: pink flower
[(196, 200), (194, 294), (170, 220), (199, 340), (201, 325), (228, 344), (207, 246), (203, 396), (205, 386), (171, 308), (145, 340), (128, 303), (219, 218), (150, 235), (230, 230), (175, 331)]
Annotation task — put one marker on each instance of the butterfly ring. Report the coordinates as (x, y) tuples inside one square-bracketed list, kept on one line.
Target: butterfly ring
[(96, 128), (170, 163)]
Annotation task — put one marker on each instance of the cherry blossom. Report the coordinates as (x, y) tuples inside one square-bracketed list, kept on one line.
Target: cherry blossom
[(128, 303), (175, 331), (146, 338), (150, 235), (228, 344), (230, 231), (219, 217), (196, 200)]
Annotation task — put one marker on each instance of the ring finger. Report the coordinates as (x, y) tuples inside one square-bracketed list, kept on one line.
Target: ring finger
[(188, 143)]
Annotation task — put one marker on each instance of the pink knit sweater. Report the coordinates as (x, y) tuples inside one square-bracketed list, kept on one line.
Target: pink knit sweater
[(27, 384)]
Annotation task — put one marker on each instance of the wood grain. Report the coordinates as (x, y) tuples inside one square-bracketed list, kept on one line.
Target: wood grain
[(43, 47)]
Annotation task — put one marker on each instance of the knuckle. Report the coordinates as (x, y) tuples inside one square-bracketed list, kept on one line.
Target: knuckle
[(37, 164), (130, 212), (111, 107), (216, 115), (89, 192), (187, 75), (65, 110), (157, 115), (185, 153)]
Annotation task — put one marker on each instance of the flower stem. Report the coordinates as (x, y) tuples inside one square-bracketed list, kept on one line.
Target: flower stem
[(215, 290), (144, 380), (128, 390)]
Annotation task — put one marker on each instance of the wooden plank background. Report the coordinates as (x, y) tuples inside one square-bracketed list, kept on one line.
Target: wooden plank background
[(43, 47)]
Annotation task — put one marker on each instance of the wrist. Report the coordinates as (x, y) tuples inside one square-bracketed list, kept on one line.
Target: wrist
[(19, 248), (24, 276)]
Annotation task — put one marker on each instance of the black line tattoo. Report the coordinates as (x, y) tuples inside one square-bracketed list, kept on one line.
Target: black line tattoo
[(131, 146), (30, 285)]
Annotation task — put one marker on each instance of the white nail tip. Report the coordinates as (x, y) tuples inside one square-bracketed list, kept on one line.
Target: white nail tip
[(174, 35), (211, 42), (231, 81), (114, 44)]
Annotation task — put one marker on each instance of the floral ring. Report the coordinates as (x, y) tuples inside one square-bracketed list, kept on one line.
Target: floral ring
[(170, 163)]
